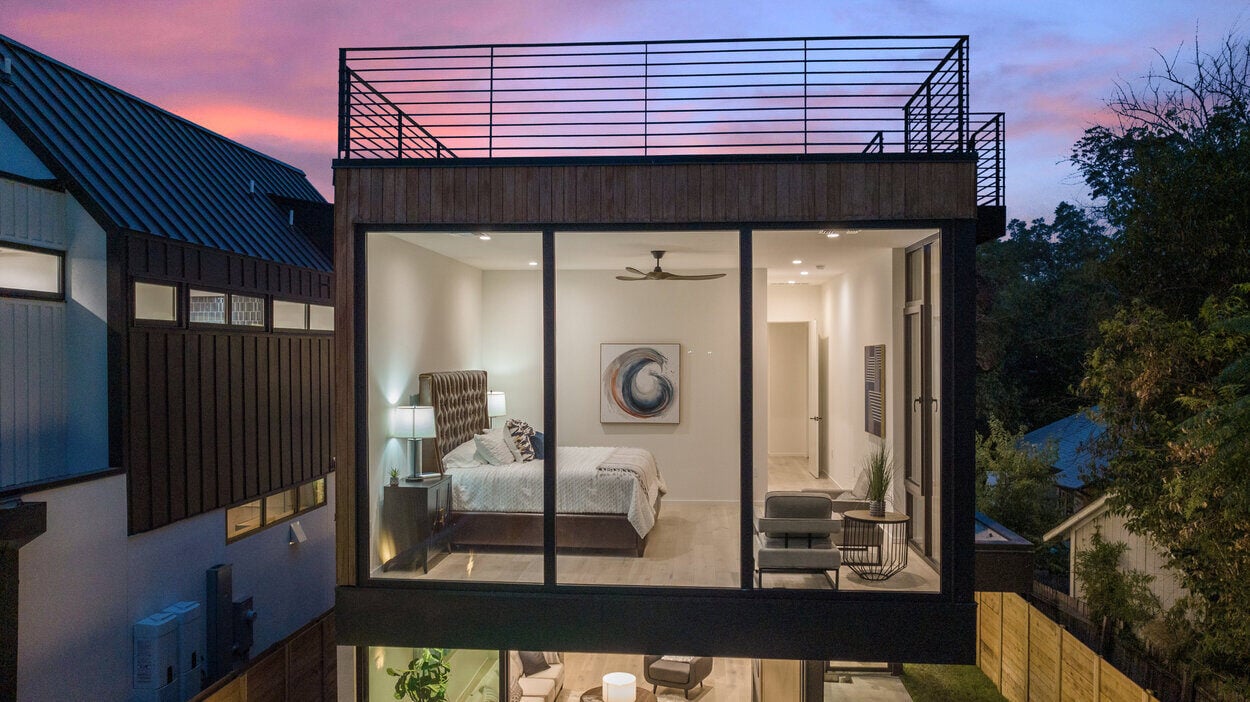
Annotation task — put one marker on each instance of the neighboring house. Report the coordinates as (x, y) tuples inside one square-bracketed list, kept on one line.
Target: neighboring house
[(506, 217), (1073, 437), (166, 351), (1142, 555)]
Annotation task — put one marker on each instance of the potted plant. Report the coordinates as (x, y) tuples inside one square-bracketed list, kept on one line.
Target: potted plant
[(394, 477), (880, 471), (425, 679)]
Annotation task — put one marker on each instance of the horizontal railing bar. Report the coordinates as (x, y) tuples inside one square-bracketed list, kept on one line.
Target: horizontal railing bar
[(538, 66), (669, 42)]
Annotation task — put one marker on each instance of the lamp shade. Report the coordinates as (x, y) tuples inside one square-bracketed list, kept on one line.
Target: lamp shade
[(412, 422), (619, 687), (495, 404)]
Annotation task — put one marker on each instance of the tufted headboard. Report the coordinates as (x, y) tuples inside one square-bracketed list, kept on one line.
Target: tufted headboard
[(459, 401)]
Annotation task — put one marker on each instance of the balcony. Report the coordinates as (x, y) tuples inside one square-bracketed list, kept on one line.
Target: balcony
[(854, 96)]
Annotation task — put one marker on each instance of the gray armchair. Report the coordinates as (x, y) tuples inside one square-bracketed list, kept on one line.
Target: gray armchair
[(682, 672), (794, 536)]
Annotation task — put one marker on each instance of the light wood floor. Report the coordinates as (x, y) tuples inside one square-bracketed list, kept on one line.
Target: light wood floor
[(693, 544), (730, 680)]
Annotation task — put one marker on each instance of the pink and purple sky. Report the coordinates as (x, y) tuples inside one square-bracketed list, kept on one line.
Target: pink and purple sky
[(264, 72)]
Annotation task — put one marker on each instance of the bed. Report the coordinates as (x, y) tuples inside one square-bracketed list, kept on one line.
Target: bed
[(606, 497)]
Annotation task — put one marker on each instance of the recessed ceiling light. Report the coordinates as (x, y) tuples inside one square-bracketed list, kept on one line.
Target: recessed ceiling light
[(802, 272), (484, 237), (832, 235), (797, 261), (533, 263), (789, 282)]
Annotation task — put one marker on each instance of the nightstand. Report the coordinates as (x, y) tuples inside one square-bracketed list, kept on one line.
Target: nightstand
[(414, 516)]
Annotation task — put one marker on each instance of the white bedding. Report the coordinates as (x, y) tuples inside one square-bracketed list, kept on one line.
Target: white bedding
[(591, 480)]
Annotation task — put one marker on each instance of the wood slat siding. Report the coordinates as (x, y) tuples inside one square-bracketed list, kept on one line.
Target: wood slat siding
[(205, 426), (155, 258), (1142, 555), (32, 391), (32, 215), (727, 193), (697, 193)]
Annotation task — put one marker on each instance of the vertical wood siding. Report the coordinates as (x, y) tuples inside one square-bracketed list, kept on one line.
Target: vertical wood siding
[(218, 418), (1142, 555), (32, 215), (32, 391)]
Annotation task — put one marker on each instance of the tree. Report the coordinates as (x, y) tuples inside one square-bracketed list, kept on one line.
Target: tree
[(1016, 488), (1042, 293), (1111, 590), (1173, 180)]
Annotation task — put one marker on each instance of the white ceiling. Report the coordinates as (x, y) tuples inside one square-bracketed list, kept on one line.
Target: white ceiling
[(686, 251)]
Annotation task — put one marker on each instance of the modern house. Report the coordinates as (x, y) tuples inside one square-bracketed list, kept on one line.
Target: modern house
[(166, 355), (627, 302)]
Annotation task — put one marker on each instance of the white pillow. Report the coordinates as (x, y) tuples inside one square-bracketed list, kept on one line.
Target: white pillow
[(463, 456), (492, 448)]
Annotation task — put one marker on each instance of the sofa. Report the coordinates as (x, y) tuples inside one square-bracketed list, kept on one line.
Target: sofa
[(537, 676)]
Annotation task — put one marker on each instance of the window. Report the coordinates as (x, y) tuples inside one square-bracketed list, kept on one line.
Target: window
[(249, 517), (247, 311), (158, 303), (290, 315), (28, 272), (321, 317), (207, 307)]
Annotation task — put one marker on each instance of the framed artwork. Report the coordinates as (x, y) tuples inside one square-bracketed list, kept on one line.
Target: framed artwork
[(640, 383), (874, 390)]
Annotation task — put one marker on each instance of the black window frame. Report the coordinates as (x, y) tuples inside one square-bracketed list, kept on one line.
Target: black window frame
[(180, 311), (300, 509), (24, 294), (266, 306)]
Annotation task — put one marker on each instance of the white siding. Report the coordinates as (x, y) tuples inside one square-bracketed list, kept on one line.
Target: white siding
[(31, 215), (32, 390), (1142, 555)]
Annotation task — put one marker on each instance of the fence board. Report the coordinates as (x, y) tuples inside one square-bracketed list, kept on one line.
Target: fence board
[(989, 650), (1015, 648), (1045, 654), (1079, 671)]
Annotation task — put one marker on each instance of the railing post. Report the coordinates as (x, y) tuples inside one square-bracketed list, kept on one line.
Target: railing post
[(928, 118), (345, 123), (806, 129), (646, 98), (490, 117), (963, 89), (399, 134)]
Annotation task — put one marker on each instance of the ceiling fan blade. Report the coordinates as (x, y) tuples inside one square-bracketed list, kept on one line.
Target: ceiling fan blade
[(710, 276), (621, 277), (633, 270)]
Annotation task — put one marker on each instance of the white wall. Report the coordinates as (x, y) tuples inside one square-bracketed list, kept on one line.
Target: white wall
[(425, 315), (512, 340), (1142, 555), (15, 158), (861, 309), (787, 388), (797, 303), (84, 583)]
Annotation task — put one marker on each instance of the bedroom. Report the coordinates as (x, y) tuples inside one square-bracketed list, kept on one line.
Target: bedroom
[(448, 301)]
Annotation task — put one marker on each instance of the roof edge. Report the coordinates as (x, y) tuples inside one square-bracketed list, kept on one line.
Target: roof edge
[(1088, 512)]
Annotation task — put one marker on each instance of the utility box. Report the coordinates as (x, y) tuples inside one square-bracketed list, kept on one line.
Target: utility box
[(156, 652), (191, 645)]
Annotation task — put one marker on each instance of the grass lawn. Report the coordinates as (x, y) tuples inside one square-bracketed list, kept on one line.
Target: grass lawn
[(940, 683)]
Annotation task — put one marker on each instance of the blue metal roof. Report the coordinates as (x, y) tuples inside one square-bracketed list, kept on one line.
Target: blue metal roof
[(1074, 438), (148, 170)]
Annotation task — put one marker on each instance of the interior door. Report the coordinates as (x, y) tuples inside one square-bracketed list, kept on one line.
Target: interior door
[(815, 422), (920, 331)]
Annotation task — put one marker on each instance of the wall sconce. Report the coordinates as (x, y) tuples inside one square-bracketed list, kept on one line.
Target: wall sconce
[(496, 405), (414, 422)]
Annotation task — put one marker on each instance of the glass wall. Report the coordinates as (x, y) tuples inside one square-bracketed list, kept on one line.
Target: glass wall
[(464, 675), (443, 302), (647, 403)]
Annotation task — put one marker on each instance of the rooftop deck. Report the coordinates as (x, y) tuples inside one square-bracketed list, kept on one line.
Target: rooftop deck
[(797, 96)]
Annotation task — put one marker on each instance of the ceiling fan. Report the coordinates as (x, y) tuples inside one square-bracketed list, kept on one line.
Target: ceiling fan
[(659, 274)]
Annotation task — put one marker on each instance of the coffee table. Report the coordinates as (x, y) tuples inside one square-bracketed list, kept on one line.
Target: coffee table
[(595, 694)]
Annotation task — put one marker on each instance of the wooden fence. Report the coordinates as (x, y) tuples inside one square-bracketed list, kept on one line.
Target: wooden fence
[(300, 668), (1029, 657)]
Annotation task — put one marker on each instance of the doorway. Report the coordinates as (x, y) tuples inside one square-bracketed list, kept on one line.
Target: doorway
[(794, 421)]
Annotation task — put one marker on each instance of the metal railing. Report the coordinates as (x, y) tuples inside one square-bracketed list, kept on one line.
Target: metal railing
[(736, 96), (988, 141)]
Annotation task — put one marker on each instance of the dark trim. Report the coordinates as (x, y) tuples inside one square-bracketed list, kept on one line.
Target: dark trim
[(53, 483), (746, 410), (661, 42), (360, 351), (45, 183), (728, 623), (180, 312), (118, 313), (549, 407), (736, 225), (667, 160), (958, 349), (22, 293)]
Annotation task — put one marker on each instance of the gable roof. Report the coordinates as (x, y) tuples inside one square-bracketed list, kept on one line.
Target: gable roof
[(148, 170), (1073, 437), (1085, 514)]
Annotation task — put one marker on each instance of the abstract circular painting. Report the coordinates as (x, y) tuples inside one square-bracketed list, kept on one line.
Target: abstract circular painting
[(641, 383)]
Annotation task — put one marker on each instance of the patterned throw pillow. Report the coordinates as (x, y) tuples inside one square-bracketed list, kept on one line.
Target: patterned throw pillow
[(521, 433)]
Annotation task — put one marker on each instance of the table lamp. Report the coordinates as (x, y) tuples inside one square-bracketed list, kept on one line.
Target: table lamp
[(414, 422), (496, 405)]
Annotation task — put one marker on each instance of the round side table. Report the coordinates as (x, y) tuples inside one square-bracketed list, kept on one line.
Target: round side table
[(874, 548), (595, 694)]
